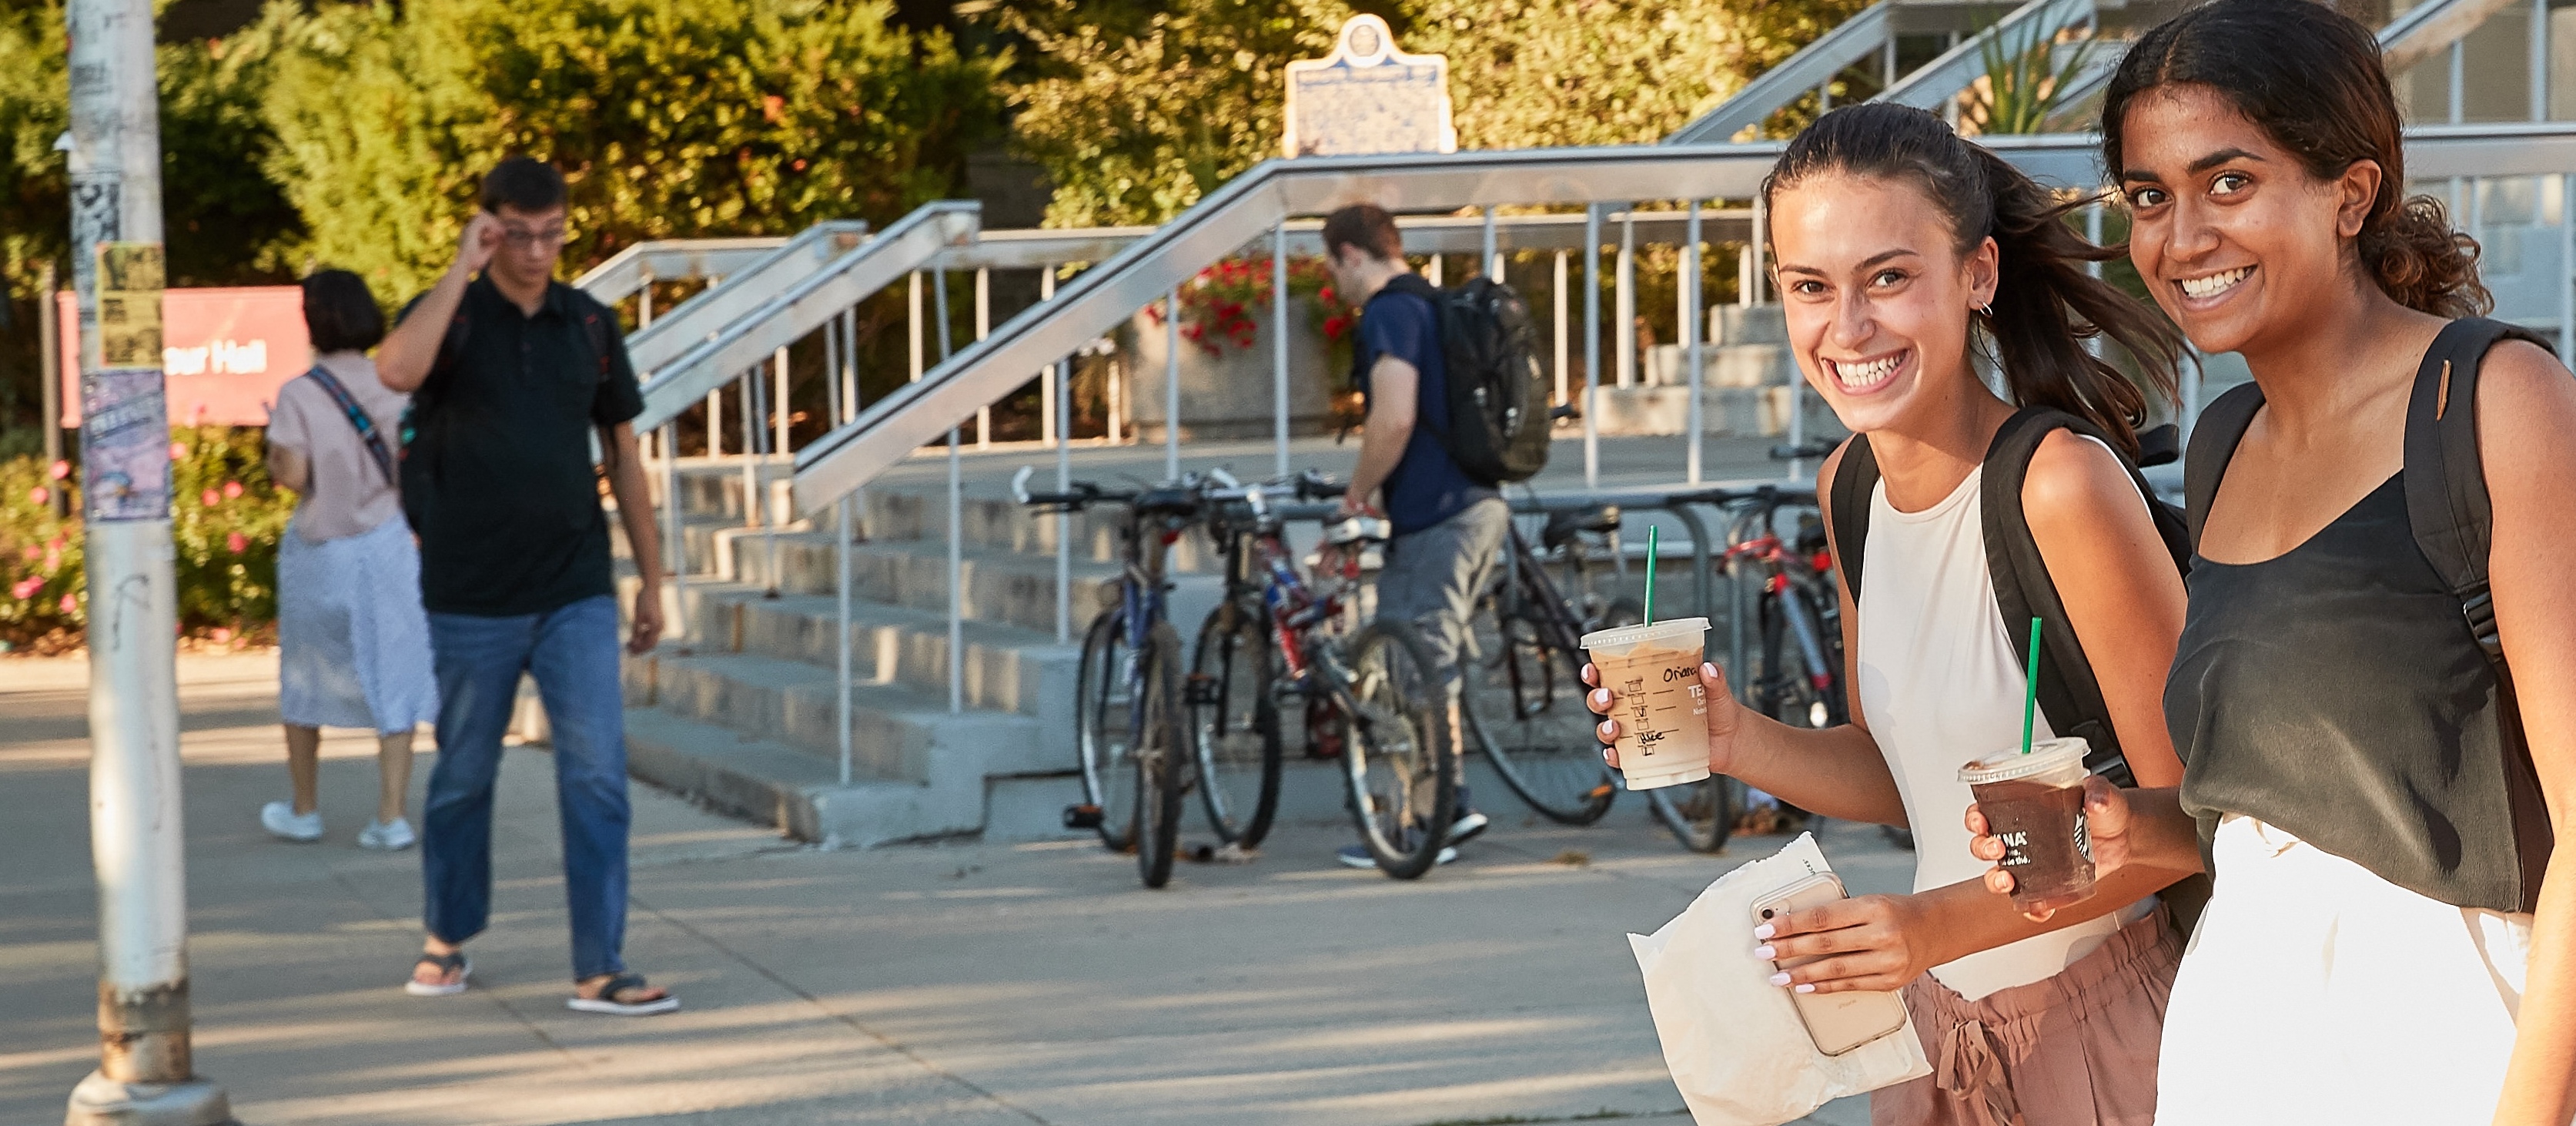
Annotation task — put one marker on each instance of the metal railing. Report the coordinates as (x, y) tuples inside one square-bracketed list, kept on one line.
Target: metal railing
[(644, 263), (1871, 32)]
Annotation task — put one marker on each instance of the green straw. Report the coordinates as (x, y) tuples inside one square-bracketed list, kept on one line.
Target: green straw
[(1653, 541), (2030, 688)]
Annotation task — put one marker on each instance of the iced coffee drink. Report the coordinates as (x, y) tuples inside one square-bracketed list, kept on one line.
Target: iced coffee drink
[(1653, 673), (2034, 804)]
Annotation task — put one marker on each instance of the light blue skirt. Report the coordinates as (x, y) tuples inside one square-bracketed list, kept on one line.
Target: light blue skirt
[(352, 640)]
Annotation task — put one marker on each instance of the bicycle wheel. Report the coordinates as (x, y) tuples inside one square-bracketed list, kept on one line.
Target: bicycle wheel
[(1104, 728), (1524, 710), (1234, 723), (1700, 814), (1163, 765), (1399, 750)]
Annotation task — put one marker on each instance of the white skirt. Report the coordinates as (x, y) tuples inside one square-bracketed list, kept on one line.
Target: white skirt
[(2315, 992), (352, 640)]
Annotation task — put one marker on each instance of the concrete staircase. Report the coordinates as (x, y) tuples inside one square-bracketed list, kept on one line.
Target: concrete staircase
[(737, 708), (1744, 384)]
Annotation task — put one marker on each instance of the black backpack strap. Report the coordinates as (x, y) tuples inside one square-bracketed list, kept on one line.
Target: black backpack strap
[(2068, 693), (2454, 524), (2446, 483), (2213, 444), (1855, 478)]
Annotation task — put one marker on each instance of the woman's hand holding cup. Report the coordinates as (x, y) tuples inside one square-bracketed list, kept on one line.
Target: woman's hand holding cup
[(1725, 715), (2108, 821)]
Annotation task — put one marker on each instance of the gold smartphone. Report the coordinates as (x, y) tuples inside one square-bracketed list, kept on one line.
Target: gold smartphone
[(1837, 1022)]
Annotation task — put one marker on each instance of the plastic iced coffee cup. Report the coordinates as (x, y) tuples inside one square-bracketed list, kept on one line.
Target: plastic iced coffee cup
[(2034, 804), (1662, 710)]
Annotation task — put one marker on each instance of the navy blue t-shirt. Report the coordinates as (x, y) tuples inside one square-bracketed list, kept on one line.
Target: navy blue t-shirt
[(1427, 486)]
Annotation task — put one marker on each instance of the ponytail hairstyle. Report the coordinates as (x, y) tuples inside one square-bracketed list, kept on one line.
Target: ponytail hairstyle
[(2046, 304), (2312, 79)]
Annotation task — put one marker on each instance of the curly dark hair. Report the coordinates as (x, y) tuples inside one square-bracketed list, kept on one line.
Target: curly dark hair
[(2312, 79)]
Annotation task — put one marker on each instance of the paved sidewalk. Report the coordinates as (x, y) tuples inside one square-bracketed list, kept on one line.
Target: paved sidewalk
[(958, 983)]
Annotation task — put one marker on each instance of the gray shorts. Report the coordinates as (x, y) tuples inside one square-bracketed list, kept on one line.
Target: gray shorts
[(1432, 576)]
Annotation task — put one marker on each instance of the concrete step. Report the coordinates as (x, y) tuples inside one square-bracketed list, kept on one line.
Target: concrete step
[(898, 732), (1002, 587), (712, 495), (1007, 668), (801, 795)]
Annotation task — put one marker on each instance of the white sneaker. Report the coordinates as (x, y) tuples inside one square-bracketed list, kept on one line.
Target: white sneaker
[(387, 836), (282, 822)]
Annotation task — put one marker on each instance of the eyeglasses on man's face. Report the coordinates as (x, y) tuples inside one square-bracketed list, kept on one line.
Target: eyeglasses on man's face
[(523, 238)]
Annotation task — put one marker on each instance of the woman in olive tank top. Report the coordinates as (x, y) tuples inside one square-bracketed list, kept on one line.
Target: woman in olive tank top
[(2374, 950)]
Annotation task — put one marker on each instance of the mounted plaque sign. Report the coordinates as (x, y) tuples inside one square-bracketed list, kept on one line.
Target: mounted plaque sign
[(1368, 98)]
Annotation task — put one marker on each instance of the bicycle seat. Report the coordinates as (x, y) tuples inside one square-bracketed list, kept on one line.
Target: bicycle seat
[(1565, 524)]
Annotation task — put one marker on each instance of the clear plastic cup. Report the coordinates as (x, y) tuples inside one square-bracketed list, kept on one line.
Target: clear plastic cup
[(1662, 710), (2034, 803)]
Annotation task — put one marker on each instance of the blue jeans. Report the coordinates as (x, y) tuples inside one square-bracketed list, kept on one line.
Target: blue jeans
[(572, 651)]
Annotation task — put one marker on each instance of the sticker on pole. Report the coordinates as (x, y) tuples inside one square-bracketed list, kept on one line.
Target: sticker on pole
[(125, 420), (1368, 97), (130, 281), (125, 445)]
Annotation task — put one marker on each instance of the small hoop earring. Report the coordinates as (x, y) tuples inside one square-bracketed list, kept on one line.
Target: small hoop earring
[(1988, 309)]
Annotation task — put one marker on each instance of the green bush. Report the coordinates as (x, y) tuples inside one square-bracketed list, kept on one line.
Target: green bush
[(225, 523)]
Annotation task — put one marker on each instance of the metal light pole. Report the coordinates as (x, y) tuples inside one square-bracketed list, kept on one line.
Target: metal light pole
[(145, 1074)]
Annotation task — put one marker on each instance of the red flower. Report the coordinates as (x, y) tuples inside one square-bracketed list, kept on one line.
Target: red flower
[(1335, 326), (56, 544), (69, 605), (236, 543), (1325, 295), (178, 451), (210, 498), (232, 490), (40, 494), (27, 588), (60, 470), (32, 554)]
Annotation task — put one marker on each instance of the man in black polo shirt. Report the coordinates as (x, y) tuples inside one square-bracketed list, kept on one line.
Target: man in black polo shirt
[(512, 375)]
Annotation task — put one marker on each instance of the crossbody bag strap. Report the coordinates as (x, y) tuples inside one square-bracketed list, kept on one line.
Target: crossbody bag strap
[(357, 416)]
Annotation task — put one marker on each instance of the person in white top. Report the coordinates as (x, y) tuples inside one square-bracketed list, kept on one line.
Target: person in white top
[(1902, 251), (352, 637)]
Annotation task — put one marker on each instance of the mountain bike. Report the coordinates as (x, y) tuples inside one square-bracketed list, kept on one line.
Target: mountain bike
[(1375, 686), (1524, 687), (1129, 715), (1794, 663)]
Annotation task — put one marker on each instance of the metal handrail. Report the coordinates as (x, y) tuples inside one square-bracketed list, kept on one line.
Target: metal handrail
[(1814, 65), (621, 276), (790, 315), (741, 290), (2407, 40), (1933, 84), (1229, 218), (1260, 199)]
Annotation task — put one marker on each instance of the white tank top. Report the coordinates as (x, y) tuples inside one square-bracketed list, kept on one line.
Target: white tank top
[(1938, 686)]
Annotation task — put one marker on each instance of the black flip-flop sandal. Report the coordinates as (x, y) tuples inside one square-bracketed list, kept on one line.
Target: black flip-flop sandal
[(453, 962), (608, 1003)]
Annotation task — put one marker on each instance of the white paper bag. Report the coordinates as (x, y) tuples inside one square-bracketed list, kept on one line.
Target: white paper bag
[(1734, 1043)]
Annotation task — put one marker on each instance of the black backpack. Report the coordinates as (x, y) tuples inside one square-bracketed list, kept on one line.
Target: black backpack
[(1499, 426), (2453, 520), (2068, 693)]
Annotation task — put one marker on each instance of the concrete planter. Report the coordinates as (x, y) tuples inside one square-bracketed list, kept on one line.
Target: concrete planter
[(1229, 394)]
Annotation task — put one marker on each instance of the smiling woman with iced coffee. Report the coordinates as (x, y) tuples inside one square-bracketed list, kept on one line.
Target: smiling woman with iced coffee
[(1902, 252), (2375, 692)]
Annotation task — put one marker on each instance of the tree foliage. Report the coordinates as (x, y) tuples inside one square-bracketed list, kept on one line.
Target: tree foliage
[(1136, 117), (1533, 73), (669, 119)]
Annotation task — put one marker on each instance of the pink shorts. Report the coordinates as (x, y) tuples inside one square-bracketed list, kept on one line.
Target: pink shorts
[(2077, 1049)]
